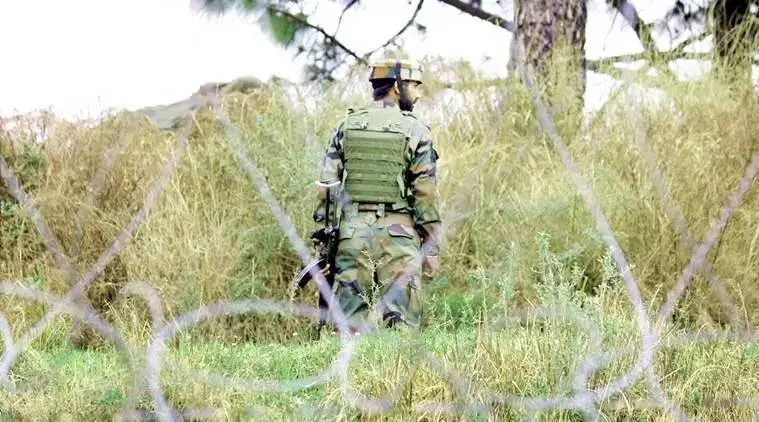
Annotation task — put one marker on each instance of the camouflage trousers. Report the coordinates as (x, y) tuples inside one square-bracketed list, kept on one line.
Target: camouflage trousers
[(378, 270)]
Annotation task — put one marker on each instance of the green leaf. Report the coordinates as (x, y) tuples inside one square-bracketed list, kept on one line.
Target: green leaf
[(222, 7), (283, 28), (249, 5)]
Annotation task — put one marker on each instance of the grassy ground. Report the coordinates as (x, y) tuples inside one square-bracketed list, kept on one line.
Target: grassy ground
[(518, 237), (531, 358)]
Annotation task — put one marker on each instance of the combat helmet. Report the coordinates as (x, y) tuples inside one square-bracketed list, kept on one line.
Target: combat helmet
[(399, 67), (393, 64)]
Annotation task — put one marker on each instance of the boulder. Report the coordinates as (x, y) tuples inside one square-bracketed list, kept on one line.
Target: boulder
[(172, 116)]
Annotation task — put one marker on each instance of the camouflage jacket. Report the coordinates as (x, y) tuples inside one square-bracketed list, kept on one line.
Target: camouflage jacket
[(421, 157)]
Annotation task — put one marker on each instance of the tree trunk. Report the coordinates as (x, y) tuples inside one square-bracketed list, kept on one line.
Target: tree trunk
[(553, 35), (732, 54)]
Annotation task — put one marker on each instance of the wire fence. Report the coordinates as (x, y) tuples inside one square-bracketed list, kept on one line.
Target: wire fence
[(583, 398)]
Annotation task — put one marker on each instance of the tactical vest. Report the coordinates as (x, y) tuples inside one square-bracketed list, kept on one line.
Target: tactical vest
[(374, 146)]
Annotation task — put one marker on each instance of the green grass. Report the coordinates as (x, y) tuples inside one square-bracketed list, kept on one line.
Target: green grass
[(534, 358), (530, 357)]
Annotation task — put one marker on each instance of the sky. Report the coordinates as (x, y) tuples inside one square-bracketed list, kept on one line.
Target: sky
[(80, 57)]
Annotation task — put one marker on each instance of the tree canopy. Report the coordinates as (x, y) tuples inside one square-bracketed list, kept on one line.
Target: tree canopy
[(732, 23)]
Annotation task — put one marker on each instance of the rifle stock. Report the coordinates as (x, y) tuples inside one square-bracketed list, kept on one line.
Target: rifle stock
[(325, 242)]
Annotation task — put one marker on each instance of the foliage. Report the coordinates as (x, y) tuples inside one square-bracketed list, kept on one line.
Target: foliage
[(730, 22), (273, 16), (283, 28), (287, 21)]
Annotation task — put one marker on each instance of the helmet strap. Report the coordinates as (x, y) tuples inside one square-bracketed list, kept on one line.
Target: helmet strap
[(403, 102)]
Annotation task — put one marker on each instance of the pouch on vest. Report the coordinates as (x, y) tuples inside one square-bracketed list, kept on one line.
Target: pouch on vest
[(374, 147)]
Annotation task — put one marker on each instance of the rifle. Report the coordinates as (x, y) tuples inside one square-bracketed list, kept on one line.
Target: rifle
[(325, 242)]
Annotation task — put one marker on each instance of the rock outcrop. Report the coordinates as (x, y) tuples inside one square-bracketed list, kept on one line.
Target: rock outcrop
[(171, 116)]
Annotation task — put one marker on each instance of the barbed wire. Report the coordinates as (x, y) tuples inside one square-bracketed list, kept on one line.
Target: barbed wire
[(582, 399)]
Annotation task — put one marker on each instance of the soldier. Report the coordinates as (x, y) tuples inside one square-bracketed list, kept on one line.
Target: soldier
[(384, 159)]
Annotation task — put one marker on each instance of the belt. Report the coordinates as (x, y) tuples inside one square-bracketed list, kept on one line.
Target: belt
[(380, 209), (373, 207)]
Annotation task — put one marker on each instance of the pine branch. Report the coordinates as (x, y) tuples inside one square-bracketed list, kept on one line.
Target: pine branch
[(683, 45), (401, 31), (482, 14), (596, 65), (304, 22), (350, 4), (642, 30)]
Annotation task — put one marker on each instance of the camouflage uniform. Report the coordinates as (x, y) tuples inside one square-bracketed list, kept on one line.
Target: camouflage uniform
[(379, 255)]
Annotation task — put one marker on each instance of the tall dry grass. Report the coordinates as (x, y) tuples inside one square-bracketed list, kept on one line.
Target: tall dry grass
[(211, 236)]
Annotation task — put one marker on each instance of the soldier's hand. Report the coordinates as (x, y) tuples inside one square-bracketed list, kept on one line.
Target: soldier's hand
[(430, 266)]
